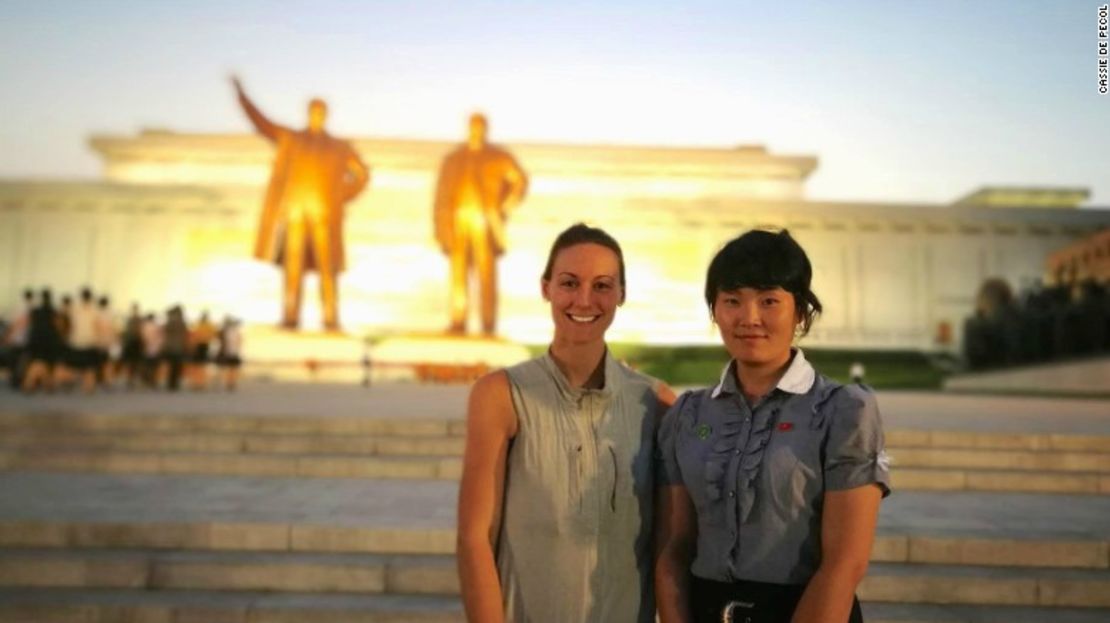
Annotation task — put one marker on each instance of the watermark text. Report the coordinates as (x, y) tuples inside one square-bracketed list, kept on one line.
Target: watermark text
[(1103, 49)]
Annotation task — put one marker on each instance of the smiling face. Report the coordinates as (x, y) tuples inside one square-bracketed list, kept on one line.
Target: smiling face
[(584, 292), (757, 325)]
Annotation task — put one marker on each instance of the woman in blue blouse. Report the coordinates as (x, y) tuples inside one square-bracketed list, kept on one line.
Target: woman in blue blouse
[(770, 481)]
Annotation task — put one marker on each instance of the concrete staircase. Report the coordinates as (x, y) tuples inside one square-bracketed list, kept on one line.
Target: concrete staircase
[(431, 449), (250, 519)]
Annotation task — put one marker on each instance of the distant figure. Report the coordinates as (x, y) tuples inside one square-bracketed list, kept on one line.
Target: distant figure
[(64, 321), (478, 185), (132, 351), (44, 346), (152, 337), (944, 333), (200, 340), (857, 372), (367, 365), (16, 336), (84, 355), (229, 357), (107, 341), (175, 346), (301, 228)]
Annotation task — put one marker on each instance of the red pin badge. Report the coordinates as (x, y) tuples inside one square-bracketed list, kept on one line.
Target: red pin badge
[(785, 426)]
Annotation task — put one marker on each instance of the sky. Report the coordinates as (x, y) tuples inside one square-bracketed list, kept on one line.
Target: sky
[(901, 101)]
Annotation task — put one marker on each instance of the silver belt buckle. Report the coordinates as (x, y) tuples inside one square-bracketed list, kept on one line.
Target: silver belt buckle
[(730, 608)]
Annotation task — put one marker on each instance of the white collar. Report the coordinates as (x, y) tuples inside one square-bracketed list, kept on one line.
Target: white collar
[(798, 378)]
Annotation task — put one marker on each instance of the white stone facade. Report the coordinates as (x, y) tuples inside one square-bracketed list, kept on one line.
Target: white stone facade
[(174, 221)]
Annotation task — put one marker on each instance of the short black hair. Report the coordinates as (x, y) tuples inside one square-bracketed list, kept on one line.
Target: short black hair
[(764, 259), (581, 233)]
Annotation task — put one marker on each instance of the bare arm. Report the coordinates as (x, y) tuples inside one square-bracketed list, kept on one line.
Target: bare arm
[(847, 533), (676, 533), (264, 126), (490, 425)]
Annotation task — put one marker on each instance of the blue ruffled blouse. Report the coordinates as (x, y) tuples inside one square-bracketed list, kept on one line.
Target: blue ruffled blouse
[(757, 477)]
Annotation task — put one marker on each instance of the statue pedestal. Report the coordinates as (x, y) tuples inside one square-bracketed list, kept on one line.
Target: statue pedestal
[(278, 354), (270, 353), (442, 358)]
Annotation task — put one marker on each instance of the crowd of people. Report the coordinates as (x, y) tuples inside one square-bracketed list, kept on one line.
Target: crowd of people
[(84, 344), (1041, 324)]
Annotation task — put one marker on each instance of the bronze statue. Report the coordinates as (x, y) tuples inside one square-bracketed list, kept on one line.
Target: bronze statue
[(301, 227), (478, 185)]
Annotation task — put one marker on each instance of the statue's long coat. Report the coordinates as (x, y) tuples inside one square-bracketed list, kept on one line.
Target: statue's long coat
[(492, 163), (341, 187)]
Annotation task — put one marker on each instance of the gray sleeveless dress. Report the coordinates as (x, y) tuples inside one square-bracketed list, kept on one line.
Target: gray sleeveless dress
[(575, 539)]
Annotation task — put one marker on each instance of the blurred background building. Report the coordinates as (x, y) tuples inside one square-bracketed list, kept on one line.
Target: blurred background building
[(173, 218)]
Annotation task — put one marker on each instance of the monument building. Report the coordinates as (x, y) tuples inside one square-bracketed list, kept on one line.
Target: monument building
[(175, 216)]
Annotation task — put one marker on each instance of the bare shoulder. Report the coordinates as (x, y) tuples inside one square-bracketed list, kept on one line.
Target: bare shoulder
[(490, 407), (491, 386), (664, 394)]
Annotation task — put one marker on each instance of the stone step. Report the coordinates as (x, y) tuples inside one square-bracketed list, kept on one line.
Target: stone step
[(436, 575), (397, 445), (914, 438), (921, 548), (230, 443), (137, 606), (930, 613), (46, 424), (983, 585), (229, 571), (228, 536), (418, 516), (304, 466), (450, 468), (52, 423), (142, 606), (1045, 460), (927, 479), (312, 538)]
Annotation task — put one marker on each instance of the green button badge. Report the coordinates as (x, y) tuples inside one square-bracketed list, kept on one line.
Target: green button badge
[(703, 431)]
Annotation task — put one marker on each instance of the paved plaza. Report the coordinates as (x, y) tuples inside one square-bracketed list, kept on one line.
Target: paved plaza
[(900, 409)]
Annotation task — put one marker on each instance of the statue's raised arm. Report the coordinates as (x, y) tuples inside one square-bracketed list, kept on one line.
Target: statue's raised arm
[(265, 127), (312, 177)]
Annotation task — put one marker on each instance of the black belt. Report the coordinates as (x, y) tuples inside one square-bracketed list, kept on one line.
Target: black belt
[(749, 602)]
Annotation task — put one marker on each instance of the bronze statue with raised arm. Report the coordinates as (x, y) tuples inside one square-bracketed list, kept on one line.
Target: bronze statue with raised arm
[(479, 184), (301, 227)]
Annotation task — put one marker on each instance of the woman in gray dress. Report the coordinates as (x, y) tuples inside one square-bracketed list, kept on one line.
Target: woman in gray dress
[(555, 504), (770, 481)]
